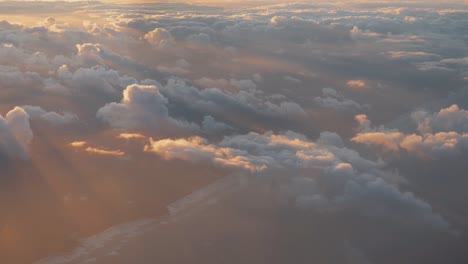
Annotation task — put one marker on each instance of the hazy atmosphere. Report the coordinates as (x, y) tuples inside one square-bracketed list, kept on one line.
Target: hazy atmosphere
[(216, 132)]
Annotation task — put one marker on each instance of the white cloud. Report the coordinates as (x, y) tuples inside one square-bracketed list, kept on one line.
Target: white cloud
[(159, 38), (15, 133), (142, 106)]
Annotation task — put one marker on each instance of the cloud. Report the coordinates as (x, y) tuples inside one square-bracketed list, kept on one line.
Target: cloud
[(450, 139), (357, 84), (215, 79), (200, 38), (451, 118), (332, 99), (321, 176), (51, 117), (96, 78), (196, 149), (215, 101), (130, 136), (78, 144), (83, 146), (142, 106), (15, 134), (181, 67), (105, 152), (210, 125), (413, 56), (389, 141), (159, 38)]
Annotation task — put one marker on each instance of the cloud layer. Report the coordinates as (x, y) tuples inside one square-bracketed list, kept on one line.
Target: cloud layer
[(338, 112)]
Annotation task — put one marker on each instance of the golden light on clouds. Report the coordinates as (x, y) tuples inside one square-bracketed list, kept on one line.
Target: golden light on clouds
[(178, 94), (131, 136), (78, 144), (357, 84), (104, 151), (196, 149), (94, 150)]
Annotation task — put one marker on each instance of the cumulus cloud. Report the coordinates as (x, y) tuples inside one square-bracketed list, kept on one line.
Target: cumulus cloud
[(51, 117), (451, 118), (96, 78), (215, 79), (332, 99), (142, 106), (346, 181), (159, 38), (196, 149), (269, 150), (214, 100), (210, 125), (440, 134), (15, 133)]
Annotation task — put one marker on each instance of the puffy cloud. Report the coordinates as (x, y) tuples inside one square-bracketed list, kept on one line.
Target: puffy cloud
[(96, 78), (277, 46), (15, 133), (269, 150), (89, 54), (200, 38), (142, 106), (389, 141), (48, 22), (451, 118), (450, 139), (51, 117), (438, 144), (332, 99), (147, 106), (215, 101), (196, 149), (332, 178), (13, 77), (330, 138), (210, 125), (159, 38)]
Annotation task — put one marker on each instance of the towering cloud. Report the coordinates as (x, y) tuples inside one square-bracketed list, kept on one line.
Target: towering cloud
[(142, 106), (15, 133)]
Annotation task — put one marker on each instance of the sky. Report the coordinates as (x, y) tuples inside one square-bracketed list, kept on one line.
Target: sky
[(234, 132)]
